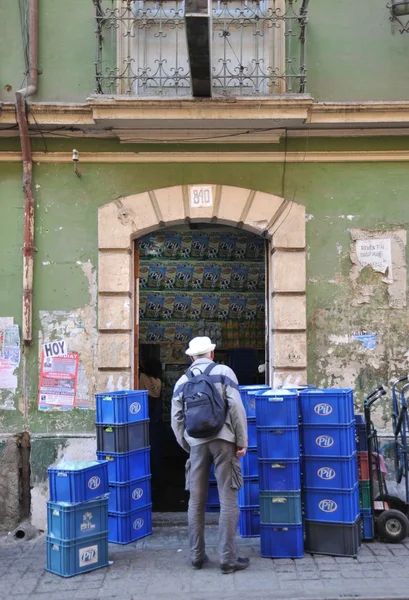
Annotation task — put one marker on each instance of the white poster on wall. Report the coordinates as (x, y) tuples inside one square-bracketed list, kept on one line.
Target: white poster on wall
[(377, 253), (9, 353)]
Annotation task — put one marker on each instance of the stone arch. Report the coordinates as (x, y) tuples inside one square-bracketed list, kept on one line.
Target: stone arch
[(280, 221)]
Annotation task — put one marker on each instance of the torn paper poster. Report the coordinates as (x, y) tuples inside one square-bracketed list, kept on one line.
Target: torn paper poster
[(11, 345), (6, 322), (8, 381), (55, 349), (9, 353), (368, 340), (8, 404), (58, 381), (376, 253), (384, 252)]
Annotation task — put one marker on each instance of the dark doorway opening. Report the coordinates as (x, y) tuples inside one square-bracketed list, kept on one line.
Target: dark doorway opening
[(194, 280)]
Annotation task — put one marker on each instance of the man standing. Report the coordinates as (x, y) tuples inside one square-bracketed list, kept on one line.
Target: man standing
[(194, 414)]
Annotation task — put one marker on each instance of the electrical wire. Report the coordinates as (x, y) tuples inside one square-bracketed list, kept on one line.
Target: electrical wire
[(39, 130), (56, 133), (291, 203), (305, 153)]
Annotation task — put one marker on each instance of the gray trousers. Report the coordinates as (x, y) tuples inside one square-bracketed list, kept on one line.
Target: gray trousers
[(227, 470)]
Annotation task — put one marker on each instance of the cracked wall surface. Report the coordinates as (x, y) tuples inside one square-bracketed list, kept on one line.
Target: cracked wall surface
[(360, 337)]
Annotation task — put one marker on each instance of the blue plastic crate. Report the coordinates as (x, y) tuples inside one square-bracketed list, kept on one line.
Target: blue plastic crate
[(340, 506), (78, 481), (279, 475), (249, 492), (280, 507), (367, 529), (127, 497), (117, 408), (249, 521), (248, 395), (252, 433), (70, 521), (277, 408), (212, 477), (278, 442), (123, 468), (279, 540), (129, 527), (331, 440), (327, 407), (212, 508), (213, 494), (330, 473), (249, 464), (122, 438), (72, 557)]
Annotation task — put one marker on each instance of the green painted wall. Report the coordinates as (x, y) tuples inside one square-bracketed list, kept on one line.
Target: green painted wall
[(338, 197), (353, 51)]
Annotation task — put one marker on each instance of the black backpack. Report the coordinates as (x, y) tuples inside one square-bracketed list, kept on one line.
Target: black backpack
[(204, 409)]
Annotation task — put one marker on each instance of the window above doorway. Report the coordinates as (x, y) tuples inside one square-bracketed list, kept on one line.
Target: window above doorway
[(257, 48)]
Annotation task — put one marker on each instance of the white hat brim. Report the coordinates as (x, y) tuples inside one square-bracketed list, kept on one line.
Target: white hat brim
[(203, 351)]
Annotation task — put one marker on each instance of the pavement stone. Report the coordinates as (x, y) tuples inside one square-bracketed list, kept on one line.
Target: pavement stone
[(158, 568)]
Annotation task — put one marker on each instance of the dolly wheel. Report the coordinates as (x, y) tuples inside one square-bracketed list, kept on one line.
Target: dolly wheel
[(392, 526)]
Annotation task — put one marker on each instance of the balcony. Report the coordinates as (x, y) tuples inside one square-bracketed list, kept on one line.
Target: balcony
[(257, 49)]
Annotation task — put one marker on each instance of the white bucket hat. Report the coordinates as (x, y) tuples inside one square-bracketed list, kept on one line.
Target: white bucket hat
[(200, 345)]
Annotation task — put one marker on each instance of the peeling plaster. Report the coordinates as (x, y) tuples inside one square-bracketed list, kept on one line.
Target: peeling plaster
[(64, 449), (360, 349), (282, 381), (339, 339), (79, 329), (125, 215), (395, 277)]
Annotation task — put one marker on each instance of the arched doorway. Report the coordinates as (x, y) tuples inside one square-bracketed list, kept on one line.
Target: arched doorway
[(279, 222)]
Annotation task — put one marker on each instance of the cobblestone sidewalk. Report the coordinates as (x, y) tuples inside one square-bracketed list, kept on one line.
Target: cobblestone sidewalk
[(158, 568)]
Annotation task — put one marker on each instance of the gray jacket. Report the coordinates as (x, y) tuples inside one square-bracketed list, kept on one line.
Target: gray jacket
[(235, 426)]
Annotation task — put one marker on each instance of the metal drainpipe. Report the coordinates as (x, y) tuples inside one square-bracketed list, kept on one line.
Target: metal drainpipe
[(28, 247)]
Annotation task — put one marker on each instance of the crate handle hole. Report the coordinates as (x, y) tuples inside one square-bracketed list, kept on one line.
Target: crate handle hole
[(20, 534)]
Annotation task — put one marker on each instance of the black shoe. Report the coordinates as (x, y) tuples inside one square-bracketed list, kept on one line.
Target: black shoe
[(239, 565), (198, 564)]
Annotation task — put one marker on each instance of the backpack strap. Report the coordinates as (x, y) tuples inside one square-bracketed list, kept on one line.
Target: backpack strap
[(209, 368), (189, 372)]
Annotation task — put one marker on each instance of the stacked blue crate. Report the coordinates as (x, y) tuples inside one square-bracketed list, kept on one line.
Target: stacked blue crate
[(249, 521), (331, 493), (278, 445), (77, 517), (123, 440)]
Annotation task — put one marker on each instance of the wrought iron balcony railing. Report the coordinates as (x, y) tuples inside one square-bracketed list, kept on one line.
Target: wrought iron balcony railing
[(258, 47)]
